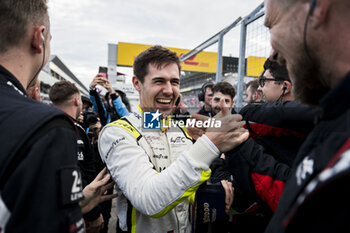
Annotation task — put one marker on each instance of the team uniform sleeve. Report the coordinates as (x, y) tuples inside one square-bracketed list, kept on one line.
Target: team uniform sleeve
[(267, 174), (152, 193)]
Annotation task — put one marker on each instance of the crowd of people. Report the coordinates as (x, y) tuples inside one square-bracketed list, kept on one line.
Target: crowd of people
[(281, 164)]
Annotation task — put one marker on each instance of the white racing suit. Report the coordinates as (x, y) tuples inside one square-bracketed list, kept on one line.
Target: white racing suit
[(156, 173)]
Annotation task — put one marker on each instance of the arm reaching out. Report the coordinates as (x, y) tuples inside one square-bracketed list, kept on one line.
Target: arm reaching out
[(94, 193)]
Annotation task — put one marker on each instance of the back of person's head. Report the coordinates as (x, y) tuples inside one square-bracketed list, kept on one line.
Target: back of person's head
[(277, 71), (16, 16), (156, 55), (62, 91), (225, 88)]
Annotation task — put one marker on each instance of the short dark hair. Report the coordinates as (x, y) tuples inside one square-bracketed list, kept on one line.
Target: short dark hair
[(225, 88), (277, 71), (16, 16), (156, 55), (61, 91), (254, 85)]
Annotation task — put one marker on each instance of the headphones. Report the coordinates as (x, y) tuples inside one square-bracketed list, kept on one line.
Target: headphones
[(313, 4), (203, 89), (42, 38), (285, 87)]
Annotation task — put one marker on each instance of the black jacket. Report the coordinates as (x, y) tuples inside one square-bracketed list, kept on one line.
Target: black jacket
[(203, 112), (41, 189), (86, 163), (262, 164), (316, 197)]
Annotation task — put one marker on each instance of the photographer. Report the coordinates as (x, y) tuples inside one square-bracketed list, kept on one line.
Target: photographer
[(115, 107)]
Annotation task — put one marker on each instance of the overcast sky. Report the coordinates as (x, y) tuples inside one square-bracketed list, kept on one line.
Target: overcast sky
[(81, 29)]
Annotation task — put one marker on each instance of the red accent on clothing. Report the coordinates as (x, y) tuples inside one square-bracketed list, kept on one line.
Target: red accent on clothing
[(268, 189), (268, 130), (73, 228), (335, 158)]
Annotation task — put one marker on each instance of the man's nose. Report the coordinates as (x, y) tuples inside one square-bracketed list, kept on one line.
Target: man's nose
[(167, 88)]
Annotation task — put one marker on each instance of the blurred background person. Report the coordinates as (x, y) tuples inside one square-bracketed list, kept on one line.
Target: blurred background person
[(253, 95), (206, 95), (115, 108)]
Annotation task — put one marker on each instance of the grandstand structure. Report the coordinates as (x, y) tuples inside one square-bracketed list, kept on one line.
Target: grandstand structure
[(55, 70)]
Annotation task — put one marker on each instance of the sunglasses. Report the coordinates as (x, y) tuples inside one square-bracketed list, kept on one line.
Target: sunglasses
[(263, 80)]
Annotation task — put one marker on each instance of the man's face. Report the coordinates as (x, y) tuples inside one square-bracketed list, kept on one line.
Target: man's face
[(208, 96), (160, 88), (250, 95), (86, 106), (287, 29), (215, 102), (271, 91), (80, 105)]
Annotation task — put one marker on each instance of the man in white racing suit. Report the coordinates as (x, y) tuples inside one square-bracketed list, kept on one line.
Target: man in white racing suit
[(158, 171)]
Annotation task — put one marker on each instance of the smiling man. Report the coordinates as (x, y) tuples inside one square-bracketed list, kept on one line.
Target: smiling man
[(157, 171), (222, 91), (312, 39)]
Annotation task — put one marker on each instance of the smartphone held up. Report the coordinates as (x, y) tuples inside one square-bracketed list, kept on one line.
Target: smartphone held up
[(103, 71)]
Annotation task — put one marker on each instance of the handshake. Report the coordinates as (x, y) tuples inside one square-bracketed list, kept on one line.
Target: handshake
[(227, 132)]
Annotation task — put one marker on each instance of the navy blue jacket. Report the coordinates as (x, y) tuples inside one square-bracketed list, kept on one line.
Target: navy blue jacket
[(43, 189)]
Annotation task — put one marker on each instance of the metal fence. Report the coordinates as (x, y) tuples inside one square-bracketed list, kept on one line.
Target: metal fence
[(242, 47)]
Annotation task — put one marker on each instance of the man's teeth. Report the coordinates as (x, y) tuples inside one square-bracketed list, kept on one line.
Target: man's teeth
[(163, 101)]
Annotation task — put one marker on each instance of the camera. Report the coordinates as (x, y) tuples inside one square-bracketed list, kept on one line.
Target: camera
[(90, 118)]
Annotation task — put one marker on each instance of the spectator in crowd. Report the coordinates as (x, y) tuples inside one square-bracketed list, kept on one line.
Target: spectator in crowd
[(115, 107), (274, 83), (153, 185), (66, 97), (253, 95), (94, 128), (206, 96), (222, 91), (86, 103), (303, 37), (40, 182)]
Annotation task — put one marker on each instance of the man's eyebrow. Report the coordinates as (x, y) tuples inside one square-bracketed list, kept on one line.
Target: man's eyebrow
[(158, 78)]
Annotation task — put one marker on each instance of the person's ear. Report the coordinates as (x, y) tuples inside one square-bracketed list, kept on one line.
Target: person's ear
[(287, 87), (37, 94), (38, 39), (318, 10), (137, 83), (233, 103)]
